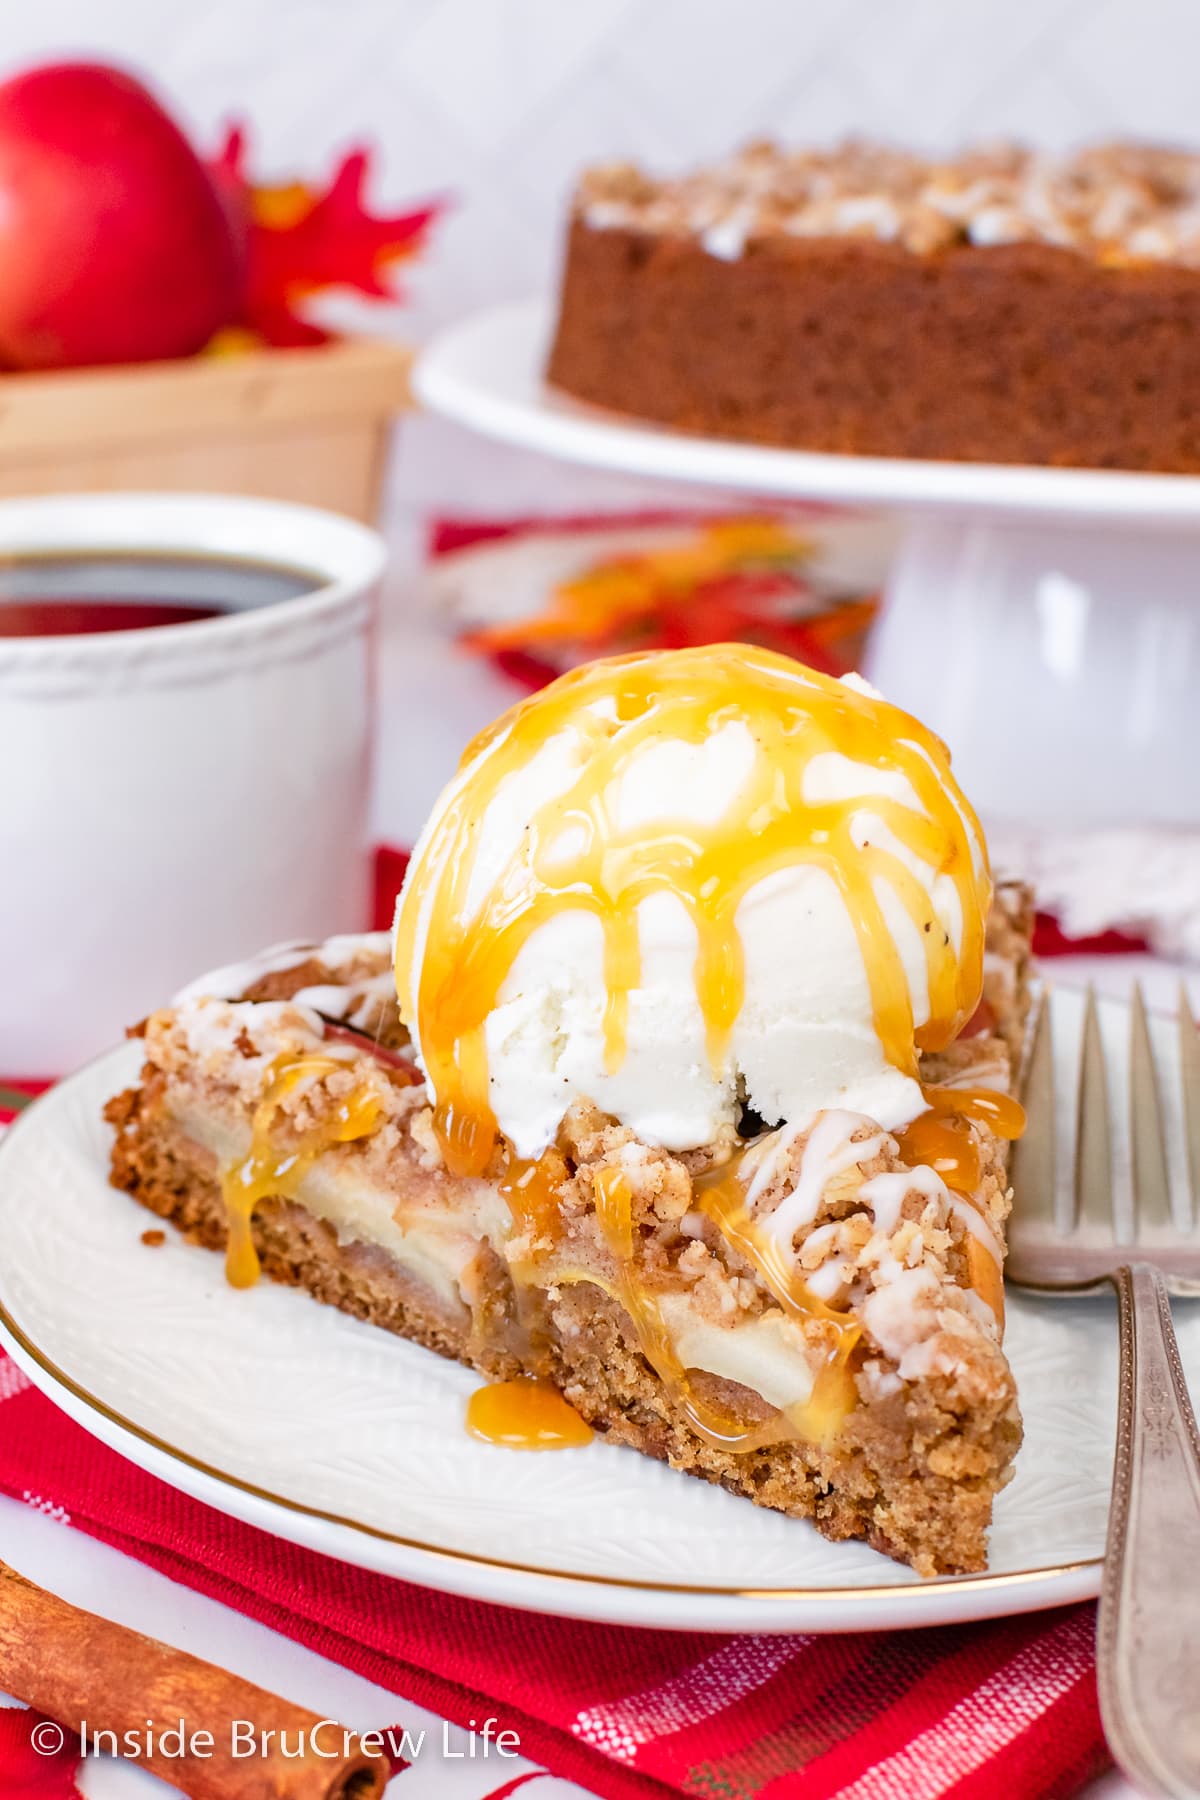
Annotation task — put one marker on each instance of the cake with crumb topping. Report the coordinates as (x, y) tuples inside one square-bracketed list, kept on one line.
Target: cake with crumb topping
[(1002, 306), (677, 1104), (280, 1119)]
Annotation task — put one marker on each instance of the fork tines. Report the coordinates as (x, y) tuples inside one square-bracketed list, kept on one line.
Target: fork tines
[(1093, 1208), (1148, 1139)]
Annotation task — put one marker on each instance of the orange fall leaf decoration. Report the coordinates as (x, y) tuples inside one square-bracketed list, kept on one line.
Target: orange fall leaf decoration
[(593, 607), (300, 240), (738, 578)]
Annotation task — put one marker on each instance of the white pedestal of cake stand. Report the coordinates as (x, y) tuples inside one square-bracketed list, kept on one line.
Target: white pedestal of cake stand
[(1046, 622), (1059, 659)]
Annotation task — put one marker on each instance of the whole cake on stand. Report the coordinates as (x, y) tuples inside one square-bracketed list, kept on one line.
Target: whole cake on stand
[(1003, 307)]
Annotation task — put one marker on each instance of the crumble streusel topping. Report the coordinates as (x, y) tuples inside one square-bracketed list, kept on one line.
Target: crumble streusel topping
[(1116, 201)]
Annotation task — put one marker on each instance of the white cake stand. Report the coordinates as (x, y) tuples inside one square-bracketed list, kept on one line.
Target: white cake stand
[(1043, 621)]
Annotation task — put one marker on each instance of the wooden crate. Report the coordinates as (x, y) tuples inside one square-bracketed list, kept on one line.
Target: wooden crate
[(309, 425)]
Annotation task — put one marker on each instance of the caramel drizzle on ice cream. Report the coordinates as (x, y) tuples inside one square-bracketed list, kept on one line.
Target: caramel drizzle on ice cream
[(575, 854)]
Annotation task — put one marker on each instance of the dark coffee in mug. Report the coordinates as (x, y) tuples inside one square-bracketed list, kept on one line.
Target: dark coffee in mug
[(80, 595)]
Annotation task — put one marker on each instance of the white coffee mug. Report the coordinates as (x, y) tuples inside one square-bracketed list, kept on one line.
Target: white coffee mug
[(173, 797)]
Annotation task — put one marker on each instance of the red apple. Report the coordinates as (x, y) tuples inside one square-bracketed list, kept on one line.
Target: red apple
[(115, 243)]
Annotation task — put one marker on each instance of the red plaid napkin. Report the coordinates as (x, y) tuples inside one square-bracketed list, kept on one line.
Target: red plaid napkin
[(983, 1710), (980, 1712)]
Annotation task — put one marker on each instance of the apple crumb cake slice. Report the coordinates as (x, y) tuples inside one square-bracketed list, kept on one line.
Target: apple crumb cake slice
[(811, 1318)]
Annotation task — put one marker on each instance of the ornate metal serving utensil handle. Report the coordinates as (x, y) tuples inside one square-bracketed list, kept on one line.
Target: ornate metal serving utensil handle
[(1148, 1639)]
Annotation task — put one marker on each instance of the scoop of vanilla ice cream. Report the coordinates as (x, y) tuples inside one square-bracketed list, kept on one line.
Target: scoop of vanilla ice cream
[(804, 1038)]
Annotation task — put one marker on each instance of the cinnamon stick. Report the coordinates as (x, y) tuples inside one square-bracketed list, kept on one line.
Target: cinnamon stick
[(198, 1727)]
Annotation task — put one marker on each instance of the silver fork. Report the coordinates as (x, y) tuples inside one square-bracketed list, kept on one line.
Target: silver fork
[(1148, 1633)]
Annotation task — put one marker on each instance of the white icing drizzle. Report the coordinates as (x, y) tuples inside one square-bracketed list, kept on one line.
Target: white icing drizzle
[(726, 239), (980, 1311), (901, 1310), (824, 1234), (828, 1151), (829, 1280), (996, 225), (885, 1193), (211, 1026), (871, 214), (348, 946), (976, 1223), (230, 982), (354, 1004), (333, 1002)]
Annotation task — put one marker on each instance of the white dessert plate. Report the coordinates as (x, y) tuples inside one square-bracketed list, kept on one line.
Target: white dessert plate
[(335, 1435), (487, 373)]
